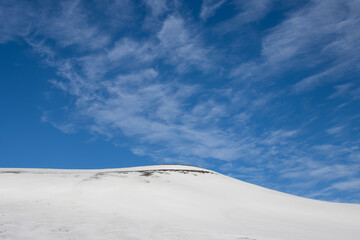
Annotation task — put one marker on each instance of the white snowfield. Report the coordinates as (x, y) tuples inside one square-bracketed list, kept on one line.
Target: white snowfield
[(162, 203)]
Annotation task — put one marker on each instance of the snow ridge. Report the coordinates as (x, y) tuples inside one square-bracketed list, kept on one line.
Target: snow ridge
[(160, 202)]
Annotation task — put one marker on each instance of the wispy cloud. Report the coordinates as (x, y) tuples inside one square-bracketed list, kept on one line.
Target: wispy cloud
[(65, 127), (68, 25), (347, 185), (334, 130), (208, 8), (307, 38), (157, 7), (247, 12), (18, 18), (341, 90), (323, 172), (182, 47), (278, 137)]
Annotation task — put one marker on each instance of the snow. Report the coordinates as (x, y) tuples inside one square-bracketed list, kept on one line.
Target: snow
[(161, 202)]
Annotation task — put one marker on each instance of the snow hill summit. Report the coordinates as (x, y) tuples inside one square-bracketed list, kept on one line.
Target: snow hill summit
[(162, 202)]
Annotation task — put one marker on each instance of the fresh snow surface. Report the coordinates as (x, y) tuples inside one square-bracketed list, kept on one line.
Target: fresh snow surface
[(161, 202)]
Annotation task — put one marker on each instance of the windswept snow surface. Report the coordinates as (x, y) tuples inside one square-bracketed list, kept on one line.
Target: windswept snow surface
[(161, 202)]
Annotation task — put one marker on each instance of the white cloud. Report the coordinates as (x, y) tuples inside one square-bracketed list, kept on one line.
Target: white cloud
[(209, 7), (157, 7), (279, 137), (317, 80), (341, 90), (252, 10), (347, 185), (140, 113), (65, 127), (173, 32), (307, 39), (69, 26), (181, 47), (64, 22), (16, 19), (321, 172), (117, 93), (335, 130), (247, 12), (126, 55)]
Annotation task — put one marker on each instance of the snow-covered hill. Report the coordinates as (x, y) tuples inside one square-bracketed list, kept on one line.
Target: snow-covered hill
[(161, 202)]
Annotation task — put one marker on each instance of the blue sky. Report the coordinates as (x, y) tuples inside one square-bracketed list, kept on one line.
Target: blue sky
[(264, 91)]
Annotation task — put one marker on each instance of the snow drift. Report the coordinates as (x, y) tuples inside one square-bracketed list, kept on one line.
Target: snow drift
[(161, 202)]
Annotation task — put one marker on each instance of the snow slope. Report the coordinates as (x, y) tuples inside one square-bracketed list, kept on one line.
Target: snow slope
[(161, 202)]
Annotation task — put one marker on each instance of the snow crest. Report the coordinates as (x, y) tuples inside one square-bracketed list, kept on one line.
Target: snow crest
[(161, 202)]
